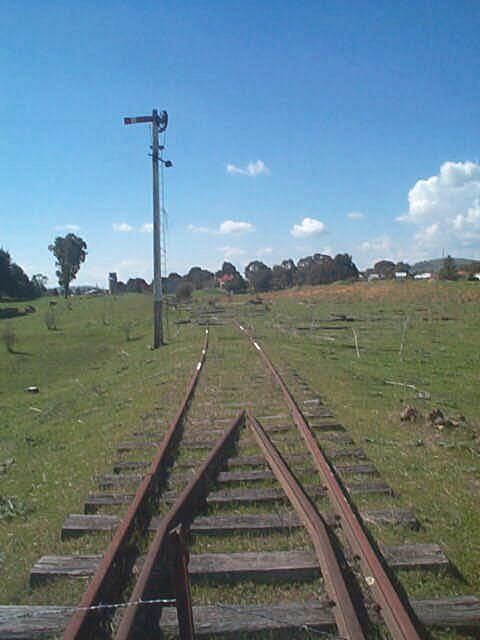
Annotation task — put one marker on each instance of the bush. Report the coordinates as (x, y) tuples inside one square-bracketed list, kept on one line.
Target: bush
[(128, 328), (184, 291), (50, 320)]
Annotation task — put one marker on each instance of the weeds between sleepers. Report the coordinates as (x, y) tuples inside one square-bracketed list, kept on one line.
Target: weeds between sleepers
[(408, 467)]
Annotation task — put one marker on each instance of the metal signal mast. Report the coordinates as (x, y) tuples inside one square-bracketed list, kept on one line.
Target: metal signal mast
[(159, 123)]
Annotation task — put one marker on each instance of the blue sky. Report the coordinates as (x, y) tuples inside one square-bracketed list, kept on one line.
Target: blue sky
[(295, 127)]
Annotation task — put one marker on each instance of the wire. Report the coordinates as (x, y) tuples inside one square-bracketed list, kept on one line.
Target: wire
[(163, 209), (163, 225)]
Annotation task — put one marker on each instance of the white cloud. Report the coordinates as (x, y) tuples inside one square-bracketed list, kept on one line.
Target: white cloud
[(265, 251), (445, 208), (231, 226), (231, 252), (252, 169), (194, 229), (378, 244), (122, 227), (67, 227), (308, 227), (147, 227), (226, 227), (133, 268), (355, 215)]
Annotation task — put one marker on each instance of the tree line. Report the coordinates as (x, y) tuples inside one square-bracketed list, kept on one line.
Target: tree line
[(69, 251), (259, 277), (14, 282), (449, 270)]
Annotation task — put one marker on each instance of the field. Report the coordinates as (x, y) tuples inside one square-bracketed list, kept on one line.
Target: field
[(367, 349)]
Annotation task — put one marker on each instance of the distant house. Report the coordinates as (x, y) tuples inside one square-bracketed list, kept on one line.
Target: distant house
[(423, 276), (222, 280), (476, 276), (373, 276), (401, 275)]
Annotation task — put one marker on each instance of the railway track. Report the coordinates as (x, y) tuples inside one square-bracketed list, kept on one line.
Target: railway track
[(262, 481)]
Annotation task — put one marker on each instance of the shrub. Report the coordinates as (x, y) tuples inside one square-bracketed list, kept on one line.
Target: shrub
[(50, 319), (128, 328), (10, 506), (184, 291)]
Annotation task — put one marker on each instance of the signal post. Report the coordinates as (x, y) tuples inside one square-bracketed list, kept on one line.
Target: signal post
[(159, 123)]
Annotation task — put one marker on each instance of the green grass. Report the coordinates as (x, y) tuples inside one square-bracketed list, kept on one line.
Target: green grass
[(96, 389), (99, 383), (434, 472)]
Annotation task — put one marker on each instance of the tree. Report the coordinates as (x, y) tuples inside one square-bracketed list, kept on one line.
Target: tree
[(283, 274), (448, 270), (344, 268), (171, 283), (5, 276), (322, 270), (200, 278), (40, 283), (234, 282), (472, 268), (402, 267), (69, 252), (14, 282), (259, 276), (280, 277), (184, 291), (137, 285), (228, 269), (236, 285), (385, 268), (21, 287)]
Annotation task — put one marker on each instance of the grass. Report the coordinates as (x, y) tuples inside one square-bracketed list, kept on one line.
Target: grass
[(95, 389), (99, 383), (434, 472)]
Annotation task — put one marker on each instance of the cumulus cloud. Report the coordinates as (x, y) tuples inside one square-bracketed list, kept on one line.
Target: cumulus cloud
[(122, 227), (147, 227), (252, 169), (308, 227), (226, 227), (67, 227), (231, 226), (231, 252), (445, 208), (355, 215)]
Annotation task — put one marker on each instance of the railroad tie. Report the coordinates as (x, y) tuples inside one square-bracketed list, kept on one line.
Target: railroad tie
[(260, 566), (37, 621)]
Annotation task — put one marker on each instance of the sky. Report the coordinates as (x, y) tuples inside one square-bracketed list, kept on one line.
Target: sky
[(295, 127)]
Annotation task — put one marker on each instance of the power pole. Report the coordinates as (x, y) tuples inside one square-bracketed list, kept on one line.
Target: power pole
[(159, 124)]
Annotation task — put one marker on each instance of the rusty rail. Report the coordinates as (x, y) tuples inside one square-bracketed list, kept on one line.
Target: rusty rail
[(141, 621), (397, 617), (108, 581), (178, 557), (346, 617)]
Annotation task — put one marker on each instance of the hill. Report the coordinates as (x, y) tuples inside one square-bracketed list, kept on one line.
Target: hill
[(434, 266)]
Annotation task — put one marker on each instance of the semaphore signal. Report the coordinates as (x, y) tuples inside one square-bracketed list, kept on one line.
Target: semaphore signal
[(159, 123)]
